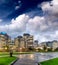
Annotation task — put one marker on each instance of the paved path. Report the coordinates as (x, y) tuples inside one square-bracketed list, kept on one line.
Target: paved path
[(26, 62)]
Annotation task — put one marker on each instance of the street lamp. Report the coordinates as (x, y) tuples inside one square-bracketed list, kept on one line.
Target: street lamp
[(20, 49), (5, 48)]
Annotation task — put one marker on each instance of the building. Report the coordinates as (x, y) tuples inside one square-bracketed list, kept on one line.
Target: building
[(43, 44), (4, 41), (12, 46), (16, 42), (19, 43), (35, 44), (28, 40), (23, 42), (55, 45), (51, 44)]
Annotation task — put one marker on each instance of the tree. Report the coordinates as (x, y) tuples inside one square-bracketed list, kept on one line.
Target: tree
[(44, 48)]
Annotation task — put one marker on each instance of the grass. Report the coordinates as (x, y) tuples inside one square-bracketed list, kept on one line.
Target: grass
[(6, 60), (50, 62), (23, 53), (4, 53), (14, 53)]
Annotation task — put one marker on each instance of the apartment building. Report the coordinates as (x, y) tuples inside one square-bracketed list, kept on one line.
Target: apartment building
[(24, 42), (4, 41)]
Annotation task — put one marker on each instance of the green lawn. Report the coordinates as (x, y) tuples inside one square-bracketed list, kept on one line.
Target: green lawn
[(50, 62), (23, 53), (4, 53), (14, 53), (6, 60)]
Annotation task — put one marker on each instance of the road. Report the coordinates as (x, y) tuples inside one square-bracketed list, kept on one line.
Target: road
[(33, 59)]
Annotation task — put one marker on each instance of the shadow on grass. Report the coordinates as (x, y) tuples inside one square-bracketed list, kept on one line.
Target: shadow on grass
[(2, 64)]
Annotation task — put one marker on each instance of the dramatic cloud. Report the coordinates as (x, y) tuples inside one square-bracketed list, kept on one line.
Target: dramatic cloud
[(44, 28), (50, 13), (24, 23), (16, 25), (50, 10), (36, 24), (49, 29), (55, 35)]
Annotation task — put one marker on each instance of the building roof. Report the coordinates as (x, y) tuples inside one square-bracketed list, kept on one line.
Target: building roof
[(26, 34), (19, 36), (36, 41), (3, 33)]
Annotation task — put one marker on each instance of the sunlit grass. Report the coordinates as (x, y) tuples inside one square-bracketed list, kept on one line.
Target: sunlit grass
[(50, 62), (6, 60), (14, 53)]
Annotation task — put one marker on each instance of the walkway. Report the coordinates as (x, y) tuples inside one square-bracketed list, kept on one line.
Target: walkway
[(25, 62)]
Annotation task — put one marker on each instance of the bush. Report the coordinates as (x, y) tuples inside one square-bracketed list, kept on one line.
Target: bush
[(40, 50), (30, 49), (56, 49), (50, 49)]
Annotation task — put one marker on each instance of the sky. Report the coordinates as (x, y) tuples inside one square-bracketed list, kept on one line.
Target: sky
[(36, 17)]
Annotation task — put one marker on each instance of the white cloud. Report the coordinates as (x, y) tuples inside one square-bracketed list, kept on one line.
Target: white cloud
[(55, 35), (19, 24), (17, 7), (24, 23), (50, 10), (19, 1), (45, 28), (40, 27), (40, 38), (0, 20), (36, 24), (55, 2), (16, 25)]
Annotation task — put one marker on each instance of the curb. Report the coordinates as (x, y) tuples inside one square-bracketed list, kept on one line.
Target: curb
[(39, 63), (13, 61)]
